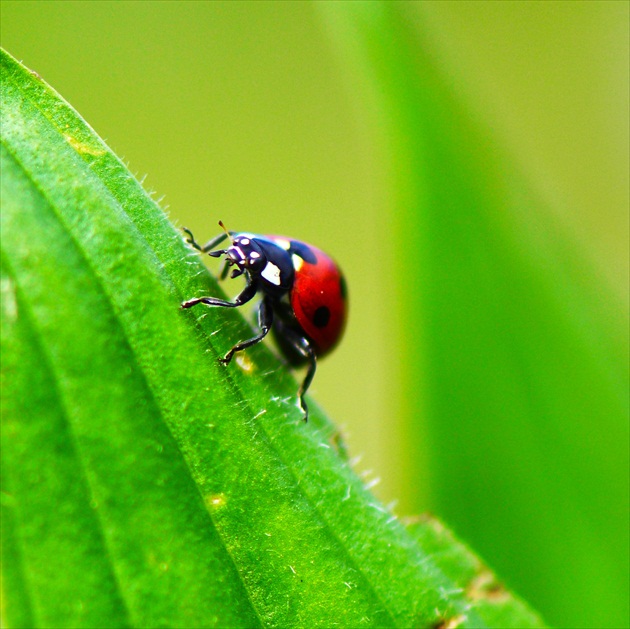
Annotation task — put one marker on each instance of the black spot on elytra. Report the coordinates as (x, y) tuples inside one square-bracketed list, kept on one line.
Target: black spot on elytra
[(304, 251), (321, 317)]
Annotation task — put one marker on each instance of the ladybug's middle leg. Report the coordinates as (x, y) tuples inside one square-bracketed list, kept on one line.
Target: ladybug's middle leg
[(265, 320)]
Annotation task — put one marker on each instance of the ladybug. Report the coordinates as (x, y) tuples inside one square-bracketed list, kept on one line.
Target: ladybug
[(304, 298)]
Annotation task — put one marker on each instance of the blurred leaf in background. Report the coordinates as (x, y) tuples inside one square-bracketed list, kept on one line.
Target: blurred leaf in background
[(517, 367), (467, 164)]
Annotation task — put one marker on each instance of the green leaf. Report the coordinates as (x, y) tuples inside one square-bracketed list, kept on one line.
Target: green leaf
[(497, 606), (144, 484)]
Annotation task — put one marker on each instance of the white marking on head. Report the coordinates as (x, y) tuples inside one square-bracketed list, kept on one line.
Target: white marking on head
[(254, 254), (271, 273), (239, 251), (281, 242), (244, 241), (297, 261)]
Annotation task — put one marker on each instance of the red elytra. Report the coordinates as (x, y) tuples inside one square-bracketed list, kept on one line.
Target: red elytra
[(318, 299)]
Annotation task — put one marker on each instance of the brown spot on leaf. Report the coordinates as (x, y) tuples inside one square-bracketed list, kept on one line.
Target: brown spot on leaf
[(450, 623), (485, 586)]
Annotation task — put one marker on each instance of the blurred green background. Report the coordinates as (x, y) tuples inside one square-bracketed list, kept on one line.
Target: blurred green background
[(467, 165)]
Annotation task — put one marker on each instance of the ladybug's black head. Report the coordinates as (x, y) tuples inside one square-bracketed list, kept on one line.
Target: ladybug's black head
[(245, 253)]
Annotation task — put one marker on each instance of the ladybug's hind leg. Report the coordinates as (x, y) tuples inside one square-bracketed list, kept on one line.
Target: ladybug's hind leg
[(304, 348), (312, 365)]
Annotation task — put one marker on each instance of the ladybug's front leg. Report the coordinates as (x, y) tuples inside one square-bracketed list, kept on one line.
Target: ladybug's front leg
[(211, 244), (265, 320), (248, 292)]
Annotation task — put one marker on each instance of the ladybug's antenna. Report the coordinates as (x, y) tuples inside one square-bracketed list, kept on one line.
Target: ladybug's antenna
[(207, 248), (224, 228)]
